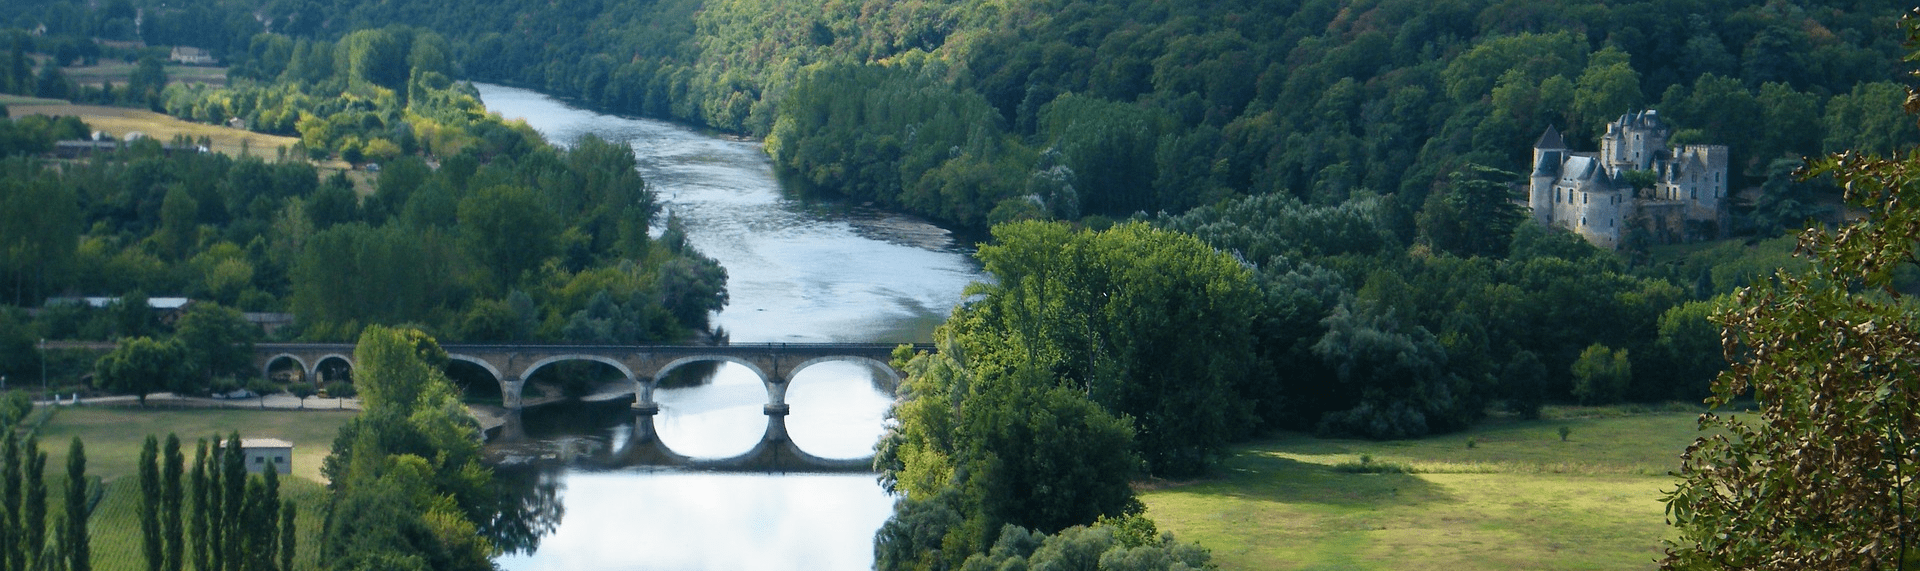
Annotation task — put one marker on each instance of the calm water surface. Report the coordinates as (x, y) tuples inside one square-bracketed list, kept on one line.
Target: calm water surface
[(797, 272)]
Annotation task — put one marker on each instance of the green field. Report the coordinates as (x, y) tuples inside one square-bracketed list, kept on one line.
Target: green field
[(118, 73), (113, 437), (1520, 498)]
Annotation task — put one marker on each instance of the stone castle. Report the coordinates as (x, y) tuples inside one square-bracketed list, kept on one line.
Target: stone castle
[(1590, 193)]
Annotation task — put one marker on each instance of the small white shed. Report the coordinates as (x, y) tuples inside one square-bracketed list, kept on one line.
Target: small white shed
[(262, 451)]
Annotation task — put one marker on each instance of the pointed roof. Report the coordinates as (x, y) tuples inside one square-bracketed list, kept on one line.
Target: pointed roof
[(1551, 140)]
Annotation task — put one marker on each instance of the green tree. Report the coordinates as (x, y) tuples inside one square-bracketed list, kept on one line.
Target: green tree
[(1608, 87), (151, 544), (1474, 215), (1689, 351), (1601, 375), (149, 77), (34, 510), (199, 521), (406, 473), (1149, 324), (172, 530), (141, 366), (1817, 476), (511, 231), (1016, 449), (76, 543), (14, 547), (233, 547), (289, 536), (217, 341), (215, 506)]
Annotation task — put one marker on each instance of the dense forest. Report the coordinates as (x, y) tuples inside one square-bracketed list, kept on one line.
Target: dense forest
[(960, 109), (1289, 214), (1357, 156), (451, 235)]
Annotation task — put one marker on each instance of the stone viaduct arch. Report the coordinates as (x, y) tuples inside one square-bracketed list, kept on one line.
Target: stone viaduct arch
[(643, 366), (510, 365)]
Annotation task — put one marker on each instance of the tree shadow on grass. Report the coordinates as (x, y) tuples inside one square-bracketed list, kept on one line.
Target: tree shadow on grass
[(1250, 475)]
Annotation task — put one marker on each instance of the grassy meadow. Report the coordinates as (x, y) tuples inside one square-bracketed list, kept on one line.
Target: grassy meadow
[(118, 72), (113, 437), (122, 120), (1518, 498)]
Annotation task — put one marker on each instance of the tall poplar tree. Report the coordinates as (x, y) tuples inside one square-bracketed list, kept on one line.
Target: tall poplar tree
[(265, 530), (150, 503), (74, 536), (170, 516), (233, 477), (288, 537), (198, 491), (12, 541), (215, 509), (34, 510)]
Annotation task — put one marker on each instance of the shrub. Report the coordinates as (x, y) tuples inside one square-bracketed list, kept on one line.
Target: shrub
[(340, 390), (1366, 465), (263, 387)]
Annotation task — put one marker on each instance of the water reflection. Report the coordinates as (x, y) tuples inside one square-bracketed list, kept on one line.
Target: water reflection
[(721, 418), (700, 520), (797, 272), (837, 410), (527, 507)]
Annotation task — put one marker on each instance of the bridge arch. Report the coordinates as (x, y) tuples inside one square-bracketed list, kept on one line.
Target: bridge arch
[(690, 359), (266, 368), (622, 367), (478, 362), (891, 378), (321, 362)]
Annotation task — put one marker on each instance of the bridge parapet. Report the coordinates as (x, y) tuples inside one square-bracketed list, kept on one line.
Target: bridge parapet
[(642, 365)]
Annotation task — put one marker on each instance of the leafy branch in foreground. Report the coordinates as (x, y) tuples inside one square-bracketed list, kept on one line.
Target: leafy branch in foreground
[(1817, 477)]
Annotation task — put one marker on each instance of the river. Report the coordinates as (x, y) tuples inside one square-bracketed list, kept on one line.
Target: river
[(798, 271)]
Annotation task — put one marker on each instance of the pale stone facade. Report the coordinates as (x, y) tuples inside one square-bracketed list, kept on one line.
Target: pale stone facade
[(1589, 194)]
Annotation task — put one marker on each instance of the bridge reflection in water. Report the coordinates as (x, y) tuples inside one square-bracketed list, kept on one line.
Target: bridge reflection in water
[(643, 367)]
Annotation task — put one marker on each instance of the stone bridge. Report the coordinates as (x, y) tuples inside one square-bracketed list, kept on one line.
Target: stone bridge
[(643, 366)]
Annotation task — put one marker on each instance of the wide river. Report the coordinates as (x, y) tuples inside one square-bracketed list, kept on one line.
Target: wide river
[(797, 272)]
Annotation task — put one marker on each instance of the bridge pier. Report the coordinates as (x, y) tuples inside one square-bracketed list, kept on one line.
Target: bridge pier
[(643, 414), (776, 392), (643, 392), (776, 423), (510, 392)]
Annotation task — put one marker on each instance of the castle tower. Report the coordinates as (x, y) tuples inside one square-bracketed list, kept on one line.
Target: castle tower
[(1548, 153), (1633, 142)]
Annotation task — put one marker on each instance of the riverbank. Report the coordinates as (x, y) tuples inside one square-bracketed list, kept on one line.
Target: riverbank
[(170, 400), (1505, 495)]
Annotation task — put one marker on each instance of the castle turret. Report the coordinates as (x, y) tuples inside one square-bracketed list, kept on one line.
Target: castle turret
[(1548, 153)]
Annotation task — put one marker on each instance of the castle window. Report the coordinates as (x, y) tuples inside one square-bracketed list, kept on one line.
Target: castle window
[(1609, 222), (1583, 221), (1584, 196), (1694, 194)]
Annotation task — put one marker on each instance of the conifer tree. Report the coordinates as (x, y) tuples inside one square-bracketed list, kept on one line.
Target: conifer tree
[(197, 496), (265, 520), (74, 536), (34, 511), (233, 477), (150, 503), (170, 516), (12, 544), (215, 507), (288, 537)]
